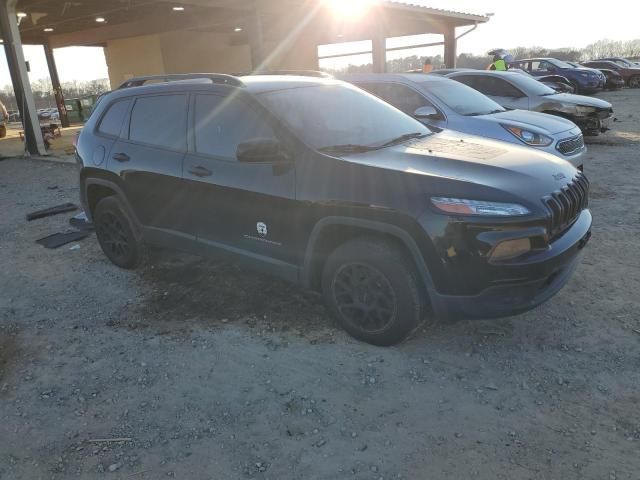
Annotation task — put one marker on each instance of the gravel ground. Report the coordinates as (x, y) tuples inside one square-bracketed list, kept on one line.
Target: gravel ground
[(200, 370)]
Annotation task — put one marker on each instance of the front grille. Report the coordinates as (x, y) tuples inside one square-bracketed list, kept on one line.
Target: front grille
[(571, 146), (566, 204)]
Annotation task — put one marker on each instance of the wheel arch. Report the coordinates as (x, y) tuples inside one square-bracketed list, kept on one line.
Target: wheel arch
[(96, 188), (331, 232)]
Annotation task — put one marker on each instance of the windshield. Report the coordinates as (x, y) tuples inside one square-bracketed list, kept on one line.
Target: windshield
[(624, 63), (533, 86), (326, 116), (559, 64), (462, 99)]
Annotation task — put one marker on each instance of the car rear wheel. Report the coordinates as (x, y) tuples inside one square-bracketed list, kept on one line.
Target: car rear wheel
[(117, 234), (373, 291)]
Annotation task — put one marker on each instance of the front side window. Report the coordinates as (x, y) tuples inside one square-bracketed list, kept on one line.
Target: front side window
[(222, 123), (160, 121), (111, 122), (325, 116)]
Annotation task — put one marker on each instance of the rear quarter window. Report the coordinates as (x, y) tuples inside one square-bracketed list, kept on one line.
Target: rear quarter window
[(112, 120)]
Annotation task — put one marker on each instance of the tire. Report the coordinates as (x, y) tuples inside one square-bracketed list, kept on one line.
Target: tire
[(634, 82), (117, 234), (373, 291)]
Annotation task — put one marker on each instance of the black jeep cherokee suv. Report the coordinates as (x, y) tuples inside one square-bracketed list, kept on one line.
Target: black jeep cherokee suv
[(323, 184)]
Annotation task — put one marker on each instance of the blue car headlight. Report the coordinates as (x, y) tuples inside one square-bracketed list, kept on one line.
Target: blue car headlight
[(527, 136)]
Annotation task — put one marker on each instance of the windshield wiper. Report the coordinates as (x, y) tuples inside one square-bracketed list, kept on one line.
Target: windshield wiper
[(402, 138), (346, 148)]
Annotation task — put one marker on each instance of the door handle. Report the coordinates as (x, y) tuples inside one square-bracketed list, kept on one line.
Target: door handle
[(200, 171), (121, 157)]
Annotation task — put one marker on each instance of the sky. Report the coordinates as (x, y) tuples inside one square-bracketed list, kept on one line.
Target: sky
[(544, 23)]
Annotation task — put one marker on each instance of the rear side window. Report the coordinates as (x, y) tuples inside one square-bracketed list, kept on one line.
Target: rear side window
[(160, 121), (222, 123), (491, 86), (400, 96), (111, 122)]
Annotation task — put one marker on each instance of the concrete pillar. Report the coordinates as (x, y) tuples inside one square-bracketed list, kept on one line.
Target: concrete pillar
[(20, 78), (379, 49), (256, 36), (55, 83), (450, 46)]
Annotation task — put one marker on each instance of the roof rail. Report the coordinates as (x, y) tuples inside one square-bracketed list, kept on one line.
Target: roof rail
[(219, 78), (299, 73)]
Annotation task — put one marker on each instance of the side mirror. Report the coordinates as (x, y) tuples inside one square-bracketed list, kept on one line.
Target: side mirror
[(261, 150), (426, 112)]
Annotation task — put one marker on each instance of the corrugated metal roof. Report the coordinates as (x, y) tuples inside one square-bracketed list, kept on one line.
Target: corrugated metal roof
[(434, 11)]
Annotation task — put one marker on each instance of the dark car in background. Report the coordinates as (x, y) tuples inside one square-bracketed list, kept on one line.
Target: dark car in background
[(516, 91), (327, 186), (625, 62), (584, 80), (614, 80), (630, 74)]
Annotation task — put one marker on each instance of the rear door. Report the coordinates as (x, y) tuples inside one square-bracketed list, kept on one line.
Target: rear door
[(247, 208), (148, 157)]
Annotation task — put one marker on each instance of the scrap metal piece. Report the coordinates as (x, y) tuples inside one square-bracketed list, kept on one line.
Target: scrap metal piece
[(47, 212)]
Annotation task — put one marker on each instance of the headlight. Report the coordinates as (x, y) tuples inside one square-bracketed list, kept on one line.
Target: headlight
[(584, 74), (584, 110), (529, 137), (462, 206)]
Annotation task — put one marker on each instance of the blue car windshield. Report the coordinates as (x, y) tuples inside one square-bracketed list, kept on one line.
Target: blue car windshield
[(462, 99), (326, 116)]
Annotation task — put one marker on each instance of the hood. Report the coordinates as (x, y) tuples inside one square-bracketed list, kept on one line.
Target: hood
[(516, 170), (534, 121), (580, 100)]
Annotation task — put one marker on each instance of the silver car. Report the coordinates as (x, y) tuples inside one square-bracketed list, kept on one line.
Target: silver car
[(442, 103), (516, 91)]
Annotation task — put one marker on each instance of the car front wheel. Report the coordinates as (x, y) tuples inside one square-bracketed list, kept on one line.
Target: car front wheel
[(373, 291)]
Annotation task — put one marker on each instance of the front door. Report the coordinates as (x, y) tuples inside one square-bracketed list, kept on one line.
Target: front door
[(246, 208)]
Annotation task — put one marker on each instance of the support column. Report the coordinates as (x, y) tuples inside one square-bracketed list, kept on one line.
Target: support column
[(20, 78), (379, 49), (450, 46), (55, 83), (255, 34)]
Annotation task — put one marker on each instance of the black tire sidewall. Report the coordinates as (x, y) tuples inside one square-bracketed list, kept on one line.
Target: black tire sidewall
[(391, 263), (112, 205)]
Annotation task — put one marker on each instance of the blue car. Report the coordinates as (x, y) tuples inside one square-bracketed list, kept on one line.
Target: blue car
[(584, 80), (442, 103)]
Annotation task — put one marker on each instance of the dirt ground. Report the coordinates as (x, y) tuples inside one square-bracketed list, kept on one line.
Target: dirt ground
[(200, 370)]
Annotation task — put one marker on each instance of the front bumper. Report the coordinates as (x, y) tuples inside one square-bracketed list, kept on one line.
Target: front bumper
[(536, 279), (597, 122)]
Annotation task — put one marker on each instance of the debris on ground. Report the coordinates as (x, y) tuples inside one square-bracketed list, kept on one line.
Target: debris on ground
[(47, 212), (59, 239)]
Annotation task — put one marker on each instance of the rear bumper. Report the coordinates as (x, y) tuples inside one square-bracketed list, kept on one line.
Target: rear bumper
[(541, 277)]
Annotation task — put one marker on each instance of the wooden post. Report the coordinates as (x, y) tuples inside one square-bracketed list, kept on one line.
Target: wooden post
[(450, 46), (55, 82)]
